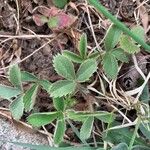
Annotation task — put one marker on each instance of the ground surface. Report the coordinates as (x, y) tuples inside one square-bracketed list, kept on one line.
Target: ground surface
[(11, 132)]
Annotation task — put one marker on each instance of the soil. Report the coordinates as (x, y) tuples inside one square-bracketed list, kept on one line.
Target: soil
[(12, 133)]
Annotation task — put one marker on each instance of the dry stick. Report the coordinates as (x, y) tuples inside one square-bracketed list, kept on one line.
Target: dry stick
[(18, 16), (91, 26), (119, 24), (137, 67), (10, 37)]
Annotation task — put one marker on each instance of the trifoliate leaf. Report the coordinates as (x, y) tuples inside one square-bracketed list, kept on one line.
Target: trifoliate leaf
[(8, 92), (62, 88), (139, 31), (59, 103), (112, 37), (110, 65), (41, 119), (59, 131), (72, 56), (64, 67), (30, 97), (15, 76), (17, 107), (86, 70), (83, 46), (128, 45), (86, 128), (120, 55)]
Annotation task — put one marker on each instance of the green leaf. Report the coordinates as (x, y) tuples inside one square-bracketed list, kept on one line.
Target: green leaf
[(28, 77), (87, 68), (120, 55), (110, 65), (82, 116), (105, 117), (112, 37), (145, 129), (15, 76), (62, 88), (70, 102), (64, 67), (72, 56), (30, 97), (139, 31), (17, 107), (139, 147), (86, 128), (53, 22), (41, 119), (120, 146), (83, 46), (60, 3), (75, 130), (94, 55), (59, 103), (44, 147), (59, 131), (128, 45), (45, 84), (8, 92), (122, 135), (145, 96)]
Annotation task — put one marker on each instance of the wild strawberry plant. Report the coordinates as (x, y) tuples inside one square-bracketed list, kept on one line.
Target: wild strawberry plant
[(119, 43)]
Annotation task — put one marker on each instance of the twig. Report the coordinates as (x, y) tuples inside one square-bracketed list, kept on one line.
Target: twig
[(137, 67), (10, 37)]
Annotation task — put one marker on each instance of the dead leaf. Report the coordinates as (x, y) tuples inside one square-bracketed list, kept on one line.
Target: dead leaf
[(45, 11), (61, 21), (39, 19), (56, 19), (143, 15)]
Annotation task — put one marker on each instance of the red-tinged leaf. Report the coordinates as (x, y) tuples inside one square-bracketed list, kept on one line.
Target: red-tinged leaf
[(48, 12), (61, 21), (65, 20), (39, 19)]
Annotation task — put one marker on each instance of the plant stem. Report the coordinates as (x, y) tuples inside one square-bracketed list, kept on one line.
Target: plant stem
[(119, 24), (134, 134)]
